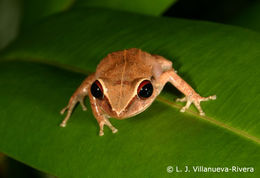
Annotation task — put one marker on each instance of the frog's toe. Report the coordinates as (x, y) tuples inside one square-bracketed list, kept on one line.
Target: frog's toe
[(63, 124), (202, 113), (183, 109), (101, 132), (63, 110), (84, 108), (213, 97), (181, 99), (114, 130), (197, 102)]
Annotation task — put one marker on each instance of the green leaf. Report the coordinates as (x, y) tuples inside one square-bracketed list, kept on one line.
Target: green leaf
[(16, 13), (33, 10), (154, 7), (10, 12), (40, 71)]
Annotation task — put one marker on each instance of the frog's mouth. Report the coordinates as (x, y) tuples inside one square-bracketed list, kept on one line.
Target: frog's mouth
[(120, 111)]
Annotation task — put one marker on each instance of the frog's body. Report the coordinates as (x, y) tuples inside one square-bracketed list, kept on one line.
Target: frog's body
[(121, 78)]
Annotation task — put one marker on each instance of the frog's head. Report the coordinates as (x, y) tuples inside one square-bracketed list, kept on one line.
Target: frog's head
[(123, 98)]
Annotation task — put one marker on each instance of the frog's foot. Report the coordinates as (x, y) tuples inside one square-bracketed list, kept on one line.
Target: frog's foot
[(106, 122), (196, 99), (72, 103)]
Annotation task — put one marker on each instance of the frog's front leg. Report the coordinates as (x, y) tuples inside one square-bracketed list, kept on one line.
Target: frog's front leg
[(101, 118), (78, 96), (190, 95)]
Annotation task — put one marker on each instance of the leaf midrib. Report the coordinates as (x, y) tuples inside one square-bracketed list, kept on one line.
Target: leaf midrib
[(210, 120)]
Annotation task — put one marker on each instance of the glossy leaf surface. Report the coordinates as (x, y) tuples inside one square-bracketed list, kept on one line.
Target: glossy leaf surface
[(40, 71)]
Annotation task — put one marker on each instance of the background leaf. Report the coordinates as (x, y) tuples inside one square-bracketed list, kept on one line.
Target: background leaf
[(249, 17), (33, 10), (10, 12), (24, 13), (244, 13), (36, 10), (213, 58), (155, 7)]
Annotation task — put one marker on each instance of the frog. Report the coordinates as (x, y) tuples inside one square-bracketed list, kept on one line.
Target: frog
[(126, 83)]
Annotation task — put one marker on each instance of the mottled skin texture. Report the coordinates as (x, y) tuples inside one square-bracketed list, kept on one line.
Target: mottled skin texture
[(120, 73)]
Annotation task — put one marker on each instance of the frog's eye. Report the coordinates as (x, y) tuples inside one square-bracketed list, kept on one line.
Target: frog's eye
[(97, 90), (145, 89)]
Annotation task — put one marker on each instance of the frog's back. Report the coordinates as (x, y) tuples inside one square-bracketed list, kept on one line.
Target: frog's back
[(126, 64)]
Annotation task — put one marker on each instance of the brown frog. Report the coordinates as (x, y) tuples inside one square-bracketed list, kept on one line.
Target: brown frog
[(126, 83)]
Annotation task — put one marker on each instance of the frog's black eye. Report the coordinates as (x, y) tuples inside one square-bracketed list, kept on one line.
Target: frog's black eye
[(145, 89), (97, 90)]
